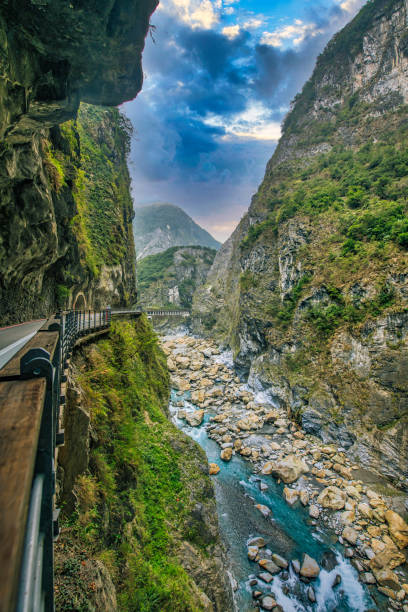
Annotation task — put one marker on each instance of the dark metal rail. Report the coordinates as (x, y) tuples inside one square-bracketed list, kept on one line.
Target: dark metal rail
[(164, 313), (34, 576)]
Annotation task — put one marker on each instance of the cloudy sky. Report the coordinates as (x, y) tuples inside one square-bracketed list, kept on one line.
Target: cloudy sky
[(219, 77)]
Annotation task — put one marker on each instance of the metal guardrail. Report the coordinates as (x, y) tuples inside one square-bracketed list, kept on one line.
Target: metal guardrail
[(34, 591), (164, 313)]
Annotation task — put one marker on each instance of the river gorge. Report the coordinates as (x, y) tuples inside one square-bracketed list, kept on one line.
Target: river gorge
[(329, 540)]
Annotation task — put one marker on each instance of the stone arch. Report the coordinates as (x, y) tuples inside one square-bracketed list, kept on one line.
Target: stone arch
[(79, 302)]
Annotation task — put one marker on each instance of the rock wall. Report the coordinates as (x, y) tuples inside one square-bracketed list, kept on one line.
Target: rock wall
[(158, 227), (52, 55), (171, 277), (311, 289)]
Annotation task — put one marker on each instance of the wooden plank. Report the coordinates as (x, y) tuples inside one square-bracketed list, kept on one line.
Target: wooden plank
[(21, 406), (46, 340)]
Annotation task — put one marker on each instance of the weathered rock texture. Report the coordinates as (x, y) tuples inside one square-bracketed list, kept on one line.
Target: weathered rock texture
[(311, 289), (159, 227), (52, 55), (171, 277)]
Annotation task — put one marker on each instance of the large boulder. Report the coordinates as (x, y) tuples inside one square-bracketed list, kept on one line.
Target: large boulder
[(389, 558), (288, 469), (180, 384), (386, 578), (182, 362), (194, 419), (310, 568), (291, 496), (269, 566), (226, 454), (398, 528), (197, 397), (249, 422), (350, 535), (333, 498)]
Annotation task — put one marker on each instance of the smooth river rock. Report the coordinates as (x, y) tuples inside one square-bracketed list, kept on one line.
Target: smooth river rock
[(280, 561), (288, 469), (264, 510), (268, 603), (194, 419), (269, 566), (291, 496), (333, 498), (310, 568), (213, 468), (350, 535), (314, 511), (226, 454), (398, 528)]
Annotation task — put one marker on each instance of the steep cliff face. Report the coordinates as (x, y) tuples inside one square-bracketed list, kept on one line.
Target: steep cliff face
[(67, 231), (159, 227), (52, 55), (311, 290), (145, 530), (172, 277)]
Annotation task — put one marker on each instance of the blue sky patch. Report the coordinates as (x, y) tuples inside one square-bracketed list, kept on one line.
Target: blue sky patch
[(219, 78)]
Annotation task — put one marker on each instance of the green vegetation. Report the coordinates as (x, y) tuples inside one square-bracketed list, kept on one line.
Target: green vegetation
[(364, 189), (355, 204), (177, 266), (88, 163), (327, 319), (154, 267), (284, 314), (336, 60), (247, 281), (102, 189), (62, 294), (257, 229), (136, 503), (54, 165)]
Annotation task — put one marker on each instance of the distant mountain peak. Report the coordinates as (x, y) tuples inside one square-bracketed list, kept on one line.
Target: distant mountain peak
[(159, 226)]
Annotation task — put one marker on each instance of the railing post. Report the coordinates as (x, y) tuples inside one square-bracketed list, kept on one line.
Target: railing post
[(36, 363)]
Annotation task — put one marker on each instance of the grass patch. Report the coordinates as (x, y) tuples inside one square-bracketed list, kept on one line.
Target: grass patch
[(136, 502)]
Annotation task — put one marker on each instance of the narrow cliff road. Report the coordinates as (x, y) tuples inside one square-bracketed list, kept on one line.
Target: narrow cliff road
[(14, 337)]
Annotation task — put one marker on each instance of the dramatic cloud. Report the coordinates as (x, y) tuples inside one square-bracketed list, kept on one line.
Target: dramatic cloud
[(195, 13), (231, 31), (217, 86)]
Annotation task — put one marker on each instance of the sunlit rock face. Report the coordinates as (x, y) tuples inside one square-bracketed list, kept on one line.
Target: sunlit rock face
[(52, 56), (310, 298)]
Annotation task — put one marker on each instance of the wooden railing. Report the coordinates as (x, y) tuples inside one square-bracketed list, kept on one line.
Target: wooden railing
[(32, 392)]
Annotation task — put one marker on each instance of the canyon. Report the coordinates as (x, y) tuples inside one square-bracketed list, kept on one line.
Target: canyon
[(291, 371), (310, 291)]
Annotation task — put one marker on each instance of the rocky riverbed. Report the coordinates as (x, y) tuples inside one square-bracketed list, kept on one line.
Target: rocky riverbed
[(320, 532)]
